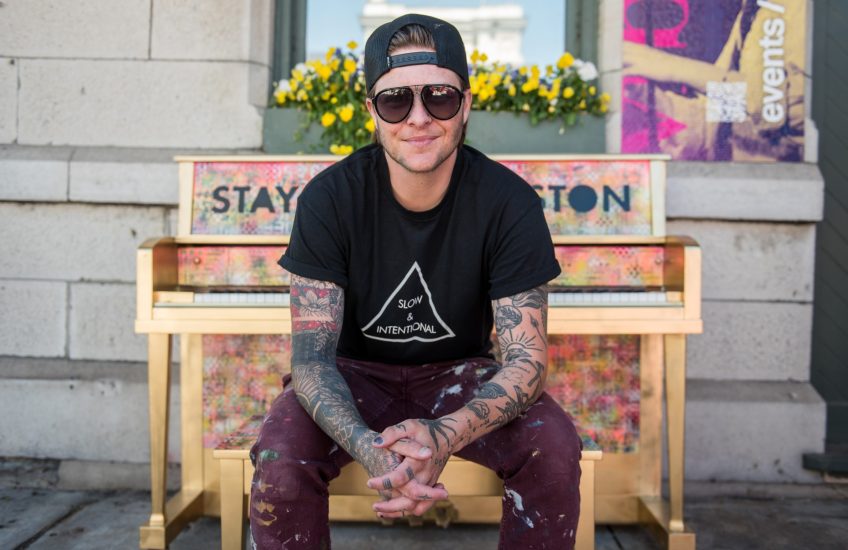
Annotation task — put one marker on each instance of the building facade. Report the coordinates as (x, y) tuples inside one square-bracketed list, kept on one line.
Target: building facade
[(96, 97)]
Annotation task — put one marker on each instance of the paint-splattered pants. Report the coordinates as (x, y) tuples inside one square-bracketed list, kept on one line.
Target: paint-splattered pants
[(537, 455)]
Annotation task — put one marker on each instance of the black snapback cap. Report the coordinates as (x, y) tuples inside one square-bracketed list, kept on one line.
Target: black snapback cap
[(450, 51)]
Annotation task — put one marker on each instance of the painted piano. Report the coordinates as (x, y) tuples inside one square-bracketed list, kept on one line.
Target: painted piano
[(619, 314)]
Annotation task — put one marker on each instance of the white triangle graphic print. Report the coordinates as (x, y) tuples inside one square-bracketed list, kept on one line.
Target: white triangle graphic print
[(409, 314)]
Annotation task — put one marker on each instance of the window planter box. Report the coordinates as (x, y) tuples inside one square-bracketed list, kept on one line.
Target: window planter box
[(492, 133)]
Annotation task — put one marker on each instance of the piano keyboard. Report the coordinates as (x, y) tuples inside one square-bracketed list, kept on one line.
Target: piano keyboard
[(241, 299), (608, 299)]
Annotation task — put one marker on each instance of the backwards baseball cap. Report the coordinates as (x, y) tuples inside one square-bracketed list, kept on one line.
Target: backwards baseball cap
[(449, 54)]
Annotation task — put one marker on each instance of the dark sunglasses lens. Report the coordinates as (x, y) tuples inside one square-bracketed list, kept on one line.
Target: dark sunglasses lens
[(442, 102), (394, 104)]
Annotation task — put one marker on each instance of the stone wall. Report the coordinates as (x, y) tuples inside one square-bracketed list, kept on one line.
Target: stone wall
[(90, 126), (96, 97)]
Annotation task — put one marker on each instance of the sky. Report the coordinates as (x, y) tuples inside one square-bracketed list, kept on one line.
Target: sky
[(335, 22)]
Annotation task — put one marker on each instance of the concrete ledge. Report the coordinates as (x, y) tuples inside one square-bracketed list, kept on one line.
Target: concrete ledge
[(745, 191), (135, 176), (753, 261), (752, 431), (34, 173), (70, 242), (752, 341), (100, 418), (33, 318)]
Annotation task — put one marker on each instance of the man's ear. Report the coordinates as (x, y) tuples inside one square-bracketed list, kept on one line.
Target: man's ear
[(466, 105)]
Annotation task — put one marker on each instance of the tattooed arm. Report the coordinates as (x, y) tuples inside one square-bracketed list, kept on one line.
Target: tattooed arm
[(521, 326), (317, 310)]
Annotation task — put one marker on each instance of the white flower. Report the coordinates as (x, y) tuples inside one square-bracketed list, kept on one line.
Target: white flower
[(586, 70), (302, 68), (284, 86)]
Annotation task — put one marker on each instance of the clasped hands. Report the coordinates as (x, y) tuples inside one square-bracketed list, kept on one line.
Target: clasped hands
[(411, 488)]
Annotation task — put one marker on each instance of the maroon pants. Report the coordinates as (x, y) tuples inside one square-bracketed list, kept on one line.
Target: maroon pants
[(537, 455)]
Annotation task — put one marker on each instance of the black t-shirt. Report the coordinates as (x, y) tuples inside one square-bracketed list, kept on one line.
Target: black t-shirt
[(418, 285)]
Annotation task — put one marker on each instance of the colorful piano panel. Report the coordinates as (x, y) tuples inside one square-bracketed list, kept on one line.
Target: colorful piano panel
[(248, 198), (243, 266), (610, 266), (589, 197), (242, 374), (596, 380)]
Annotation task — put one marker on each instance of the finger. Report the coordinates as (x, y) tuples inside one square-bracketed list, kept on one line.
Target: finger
[(394, 505), (390, 435), (422, 507), (411, 448), (419, 491), (398, 477)]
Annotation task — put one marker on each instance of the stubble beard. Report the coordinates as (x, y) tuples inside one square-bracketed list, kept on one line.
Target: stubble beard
[(402, 162)]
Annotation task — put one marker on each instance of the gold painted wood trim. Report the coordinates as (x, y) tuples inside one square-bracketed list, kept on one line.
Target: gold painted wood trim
[(650, 414), (624, 326), (658, 188), (257, 158), (186, 207), (606, 239), (246, 240), (675, 383), (191, 411), (205, 326)]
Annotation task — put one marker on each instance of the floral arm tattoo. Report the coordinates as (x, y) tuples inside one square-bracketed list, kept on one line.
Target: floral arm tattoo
[(317, 310), (521, 327)]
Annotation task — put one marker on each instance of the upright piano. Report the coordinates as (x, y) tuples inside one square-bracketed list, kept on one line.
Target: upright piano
[(618, 319)]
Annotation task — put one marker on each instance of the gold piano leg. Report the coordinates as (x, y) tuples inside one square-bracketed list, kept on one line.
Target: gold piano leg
[(675, 383), (159, 388)]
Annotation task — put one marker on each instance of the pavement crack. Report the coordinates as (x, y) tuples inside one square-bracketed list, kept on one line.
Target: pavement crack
[(33, 539)]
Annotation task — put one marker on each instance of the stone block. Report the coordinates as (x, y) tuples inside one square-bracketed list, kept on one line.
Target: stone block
[(70, 242), (753, 261), (34, 173), (262, 31), (745, 191), (70, 416), (26, 513), (611, 23), (209, 29), (8, 100), (135, 104), (33, 318), (752, 431), (101, 323), (83, 28), (136, 176), (752, 341)]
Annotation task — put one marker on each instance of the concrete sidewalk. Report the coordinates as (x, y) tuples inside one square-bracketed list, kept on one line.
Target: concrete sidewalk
[(36, 516)]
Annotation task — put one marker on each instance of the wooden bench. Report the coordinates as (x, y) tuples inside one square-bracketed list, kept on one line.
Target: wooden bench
[(350, 499)]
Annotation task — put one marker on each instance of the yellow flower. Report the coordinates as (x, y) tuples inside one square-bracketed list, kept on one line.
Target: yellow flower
[(525, 107), (349, 65), (369, 125), (346, 112), (565, 61), (297, 76), (330, 53), (549, 70), (484, 94), (603, 108), (592, 90), (534, 71), (325, 96), (511, 90), (475, 56), (301, 95), (568, 93), (328, 119), (280, 97), (334, 64), (522, 71), (323, 71), (484, 57), (551, 109), (352, 45), (341, 149), (543, 90), (495, 79), (334, 100), (605, 97), (582, 104), (474, 85), (357, 87)]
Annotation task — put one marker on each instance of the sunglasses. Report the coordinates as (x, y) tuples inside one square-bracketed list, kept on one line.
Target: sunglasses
[(442, 101)]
